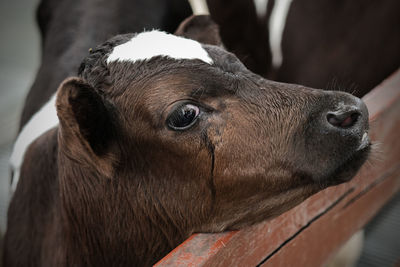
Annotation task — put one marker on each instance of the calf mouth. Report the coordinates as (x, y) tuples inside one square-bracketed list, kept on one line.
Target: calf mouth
[(349, 168)]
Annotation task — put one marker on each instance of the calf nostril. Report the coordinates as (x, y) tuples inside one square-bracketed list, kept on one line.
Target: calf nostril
[(345, 120)]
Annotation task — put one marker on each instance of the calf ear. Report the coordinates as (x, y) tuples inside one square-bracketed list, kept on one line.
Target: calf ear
[(200, 28), (86, 127)]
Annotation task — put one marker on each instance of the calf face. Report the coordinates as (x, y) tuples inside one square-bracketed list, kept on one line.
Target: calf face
[(200, 141)]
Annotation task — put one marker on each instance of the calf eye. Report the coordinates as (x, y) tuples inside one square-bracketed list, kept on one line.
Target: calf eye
[(183, 117)]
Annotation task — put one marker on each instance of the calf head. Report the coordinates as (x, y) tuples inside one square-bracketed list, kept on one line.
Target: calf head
[(162, 136)]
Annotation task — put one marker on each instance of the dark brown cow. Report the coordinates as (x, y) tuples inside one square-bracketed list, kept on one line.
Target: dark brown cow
[(160, 137), (346, 45)]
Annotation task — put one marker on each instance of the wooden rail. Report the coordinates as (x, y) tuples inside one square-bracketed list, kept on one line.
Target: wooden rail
[(309, 234)]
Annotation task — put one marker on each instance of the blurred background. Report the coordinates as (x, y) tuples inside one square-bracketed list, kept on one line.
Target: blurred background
[(19, 61)]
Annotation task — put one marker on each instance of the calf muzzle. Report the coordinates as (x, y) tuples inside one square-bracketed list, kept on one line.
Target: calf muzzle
[(336, 139)]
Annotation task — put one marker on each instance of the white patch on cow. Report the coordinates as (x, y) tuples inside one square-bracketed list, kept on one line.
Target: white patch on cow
[(45, 119), (261, 8), (157, 43), (276, 26), (199, 7)]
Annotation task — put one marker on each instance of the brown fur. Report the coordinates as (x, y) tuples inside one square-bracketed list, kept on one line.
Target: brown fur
[(200, 28), (243, 33)]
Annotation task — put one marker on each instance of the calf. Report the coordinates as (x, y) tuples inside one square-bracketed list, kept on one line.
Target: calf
[(159, 137)]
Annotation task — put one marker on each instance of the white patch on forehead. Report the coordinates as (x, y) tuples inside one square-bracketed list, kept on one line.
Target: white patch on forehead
[(45, 119), (156, 43)]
